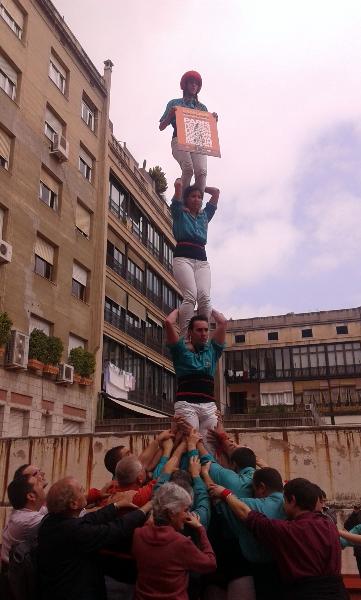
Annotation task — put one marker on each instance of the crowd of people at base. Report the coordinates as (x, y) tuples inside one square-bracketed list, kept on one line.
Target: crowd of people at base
[(174, 522)]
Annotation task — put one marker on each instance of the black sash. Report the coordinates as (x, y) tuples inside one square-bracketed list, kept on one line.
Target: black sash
[(196, 388)]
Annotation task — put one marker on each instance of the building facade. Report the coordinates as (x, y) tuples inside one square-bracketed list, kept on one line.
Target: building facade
[(61, 172), (295, 361)]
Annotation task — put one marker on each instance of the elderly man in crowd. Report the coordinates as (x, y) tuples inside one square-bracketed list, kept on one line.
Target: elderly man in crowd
[(68, 546)]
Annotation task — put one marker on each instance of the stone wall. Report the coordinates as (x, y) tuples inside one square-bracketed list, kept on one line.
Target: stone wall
[(330, 456)]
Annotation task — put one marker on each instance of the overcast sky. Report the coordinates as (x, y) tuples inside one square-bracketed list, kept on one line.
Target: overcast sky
[(285, 80)]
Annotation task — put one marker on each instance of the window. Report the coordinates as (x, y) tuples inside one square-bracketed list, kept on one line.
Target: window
[(85, 164), (57, 73), (276, 399), (307, 333), (53, 125), (137, 219), (167, 255), (88, 114), (44, 258), (5, 147), (75, 342), (48, 190), (113, 313), (341, 329), (240, 339), (38, 323), (168, 298), (153, 241), (115, 258), (273, 335), (136, 274), (153, 287), (117, 198), (82, 220), (8, 78), (12, 16), (79, 282)]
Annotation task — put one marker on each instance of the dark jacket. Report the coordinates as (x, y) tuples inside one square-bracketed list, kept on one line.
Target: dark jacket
[(68, 561)]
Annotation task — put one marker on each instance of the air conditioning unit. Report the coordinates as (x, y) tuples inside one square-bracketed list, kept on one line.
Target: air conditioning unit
[(17, 350), (66, 374), (308, 407), (6, 252), (60, 147)]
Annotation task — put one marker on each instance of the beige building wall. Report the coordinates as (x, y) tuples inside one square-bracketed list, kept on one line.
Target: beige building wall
[(24, 293)]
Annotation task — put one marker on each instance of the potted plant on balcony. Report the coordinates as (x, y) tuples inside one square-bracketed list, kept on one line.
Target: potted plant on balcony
[(88, 368), (54, 350), (75, 359), (37, 350), (5, 327)]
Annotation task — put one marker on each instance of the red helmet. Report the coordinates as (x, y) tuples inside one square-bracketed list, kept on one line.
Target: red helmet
[(187, 76)]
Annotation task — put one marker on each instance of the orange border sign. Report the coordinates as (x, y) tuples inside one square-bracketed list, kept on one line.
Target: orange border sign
[(197, 131)]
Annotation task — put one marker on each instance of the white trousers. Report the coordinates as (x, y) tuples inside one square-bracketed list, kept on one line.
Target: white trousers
[(190, 163), (194, 279), (201, 416)]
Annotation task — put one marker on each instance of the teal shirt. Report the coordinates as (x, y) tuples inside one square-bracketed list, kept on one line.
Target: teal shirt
[(186, 227), (346, 543), (192, 103), (251, 548), (203, 362), (201, 503)]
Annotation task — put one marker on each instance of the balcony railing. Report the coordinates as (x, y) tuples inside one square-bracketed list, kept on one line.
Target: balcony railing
[(237, 376), (145, 336), (139, 285), (114, 264)]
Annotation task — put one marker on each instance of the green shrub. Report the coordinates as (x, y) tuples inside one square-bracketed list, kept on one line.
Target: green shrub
[(82, 361), (54, 350), (5, 327), (38, 345)]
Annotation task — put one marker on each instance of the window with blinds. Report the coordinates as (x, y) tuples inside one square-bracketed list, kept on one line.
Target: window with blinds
[(85, 164), (57, 73), (8, 77), (88, 113), (48, 190), (52, 124), (44, 258), (13, 16), (82, 220), (38, 323), (75, 342), (79, 282), (5, 148)]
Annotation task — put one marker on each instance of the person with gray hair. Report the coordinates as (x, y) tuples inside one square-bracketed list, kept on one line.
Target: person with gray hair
[(68, 546), (164, 556)]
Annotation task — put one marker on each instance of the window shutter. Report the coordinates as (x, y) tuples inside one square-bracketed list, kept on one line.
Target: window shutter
[(36, 323), (135, 259), (155, 320), (2, 216), (14, 12), (5, 145), (136, 308), (44, 250), (8, 70), (115, 293), (53, 121), (86, 158), (57, 64), (75, 342), (82, 219), (79, 274), (117, 242), (49, 181)]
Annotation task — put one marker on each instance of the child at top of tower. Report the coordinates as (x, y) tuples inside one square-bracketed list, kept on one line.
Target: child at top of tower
[(190, 162)]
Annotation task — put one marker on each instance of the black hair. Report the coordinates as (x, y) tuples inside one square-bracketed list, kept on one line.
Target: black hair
[(20, 470), (188, 190), (244, 457), (18, 489), (183, 479), (196, 318), (271, 478), (111, 459), (304, 492)]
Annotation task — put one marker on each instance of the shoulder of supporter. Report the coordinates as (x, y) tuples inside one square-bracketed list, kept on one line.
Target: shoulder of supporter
[(178, 347)]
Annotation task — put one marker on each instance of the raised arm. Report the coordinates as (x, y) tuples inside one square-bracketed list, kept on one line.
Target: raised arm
[(214, 192), (219, 334), (170, 327), (167, 119), (240, 509)]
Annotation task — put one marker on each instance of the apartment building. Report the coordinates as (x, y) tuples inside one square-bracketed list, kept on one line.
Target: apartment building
[(295, 361), (60, 169), (140, 288)]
